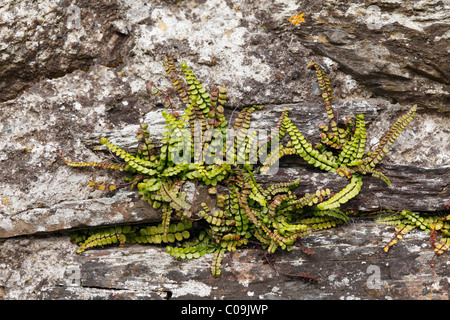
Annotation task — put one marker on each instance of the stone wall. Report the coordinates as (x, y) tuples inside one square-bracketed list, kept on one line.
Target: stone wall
[(71, 72)]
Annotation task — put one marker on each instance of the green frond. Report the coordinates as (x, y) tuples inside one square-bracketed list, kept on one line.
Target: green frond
[(389, 138), (173, 75), (389, 219), (277, 133), (400, 231), (167, 212), (335, 213), (405, 221), (133, 163), (306, 151), (275, 156), (157, 234), (281, 187), (343, 196), (320, 222), (102, 237), (442, 246), (171, 197), (106, 165), (325, 87)]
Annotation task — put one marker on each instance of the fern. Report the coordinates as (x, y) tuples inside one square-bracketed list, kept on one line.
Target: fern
[(405, 221), (100, 237), (389, 138), (197, 146)]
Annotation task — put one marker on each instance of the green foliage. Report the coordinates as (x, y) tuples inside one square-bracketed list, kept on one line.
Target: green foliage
[(405, 221), (276, 216)]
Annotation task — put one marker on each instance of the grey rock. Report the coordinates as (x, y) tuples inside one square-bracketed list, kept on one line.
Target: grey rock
[(347, 263), (398, 50)]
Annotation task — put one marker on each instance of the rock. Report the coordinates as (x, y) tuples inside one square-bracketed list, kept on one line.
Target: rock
[(46, 195)]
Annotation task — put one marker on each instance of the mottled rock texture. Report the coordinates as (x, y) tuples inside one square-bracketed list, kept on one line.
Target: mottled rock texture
[(73, 71)]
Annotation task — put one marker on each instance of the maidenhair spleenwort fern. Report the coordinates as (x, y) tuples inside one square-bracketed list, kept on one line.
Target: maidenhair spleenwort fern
[(200, 147), (406, 221)]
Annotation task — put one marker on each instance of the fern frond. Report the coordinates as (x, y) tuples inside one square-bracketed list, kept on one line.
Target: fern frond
[(167, 212), (320, 222), (104, 236), (353, 150), (416, 220), (171, 197), (278, 132), (275, 156), (442, 246), (217, 261), (325, 87), (232, 244), (375, 173), (335, 213), (281, 187), (400, 231), (106, 165), (161, 234), (133, 163), (175, 79), (390, 219)]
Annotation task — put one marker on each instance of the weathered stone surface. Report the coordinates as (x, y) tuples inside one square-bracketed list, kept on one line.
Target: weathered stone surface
[(348, 263), (73, 72)]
